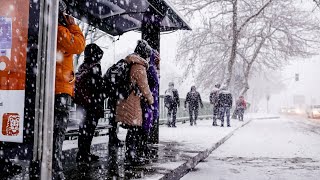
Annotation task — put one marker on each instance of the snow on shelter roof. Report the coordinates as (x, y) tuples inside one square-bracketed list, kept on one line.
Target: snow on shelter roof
[(116, 17)]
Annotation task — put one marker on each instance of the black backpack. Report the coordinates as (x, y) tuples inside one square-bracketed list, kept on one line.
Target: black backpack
[(117, 81), (168, 101)]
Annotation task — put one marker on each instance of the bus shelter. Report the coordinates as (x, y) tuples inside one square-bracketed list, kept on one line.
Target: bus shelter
[(28, 41)]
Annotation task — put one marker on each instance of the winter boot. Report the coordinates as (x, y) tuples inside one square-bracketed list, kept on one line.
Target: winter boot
[(132, 147)]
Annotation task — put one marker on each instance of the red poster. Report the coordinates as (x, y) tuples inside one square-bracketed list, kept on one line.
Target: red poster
[(14, 17)]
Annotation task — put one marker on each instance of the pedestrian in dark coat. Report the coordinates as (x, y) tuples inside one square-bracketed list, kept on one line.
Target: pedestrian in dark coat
[(193, 99), (225, 105), (172, 102), (214, 97), (90, 100)]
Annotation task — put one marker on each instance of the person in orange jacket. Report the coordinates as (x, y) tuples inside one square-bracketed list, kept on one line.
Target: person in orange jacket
[(70, 41)]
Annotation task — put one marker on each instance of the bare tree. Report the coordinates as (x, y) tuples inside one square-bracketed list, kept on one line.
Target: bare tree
[(219, 30), (92, 35), (246, 34), (275, 37), (317, 2)]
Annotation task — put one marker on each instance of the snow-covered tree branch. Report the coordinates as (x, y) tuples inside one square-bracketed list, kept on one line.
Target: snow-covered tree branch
[(250, 35)]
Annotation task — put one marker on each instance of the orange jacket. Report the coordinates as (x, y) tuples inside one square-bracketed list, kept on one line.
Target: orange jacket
[(70, 41)]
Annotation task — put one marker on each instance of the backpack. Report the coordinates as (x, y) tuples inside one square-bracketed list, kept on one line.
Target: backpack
[(168, 101), (82, 91), (117, 80), (214, 97)]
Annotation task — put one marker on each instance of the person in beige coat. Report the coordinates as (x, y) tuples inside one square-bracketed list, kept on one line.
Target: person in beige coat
[(129, 110)]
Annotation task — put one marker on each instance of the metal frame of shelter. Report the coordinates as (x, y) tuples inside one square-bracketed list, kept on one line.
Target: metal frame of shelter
[(115, 17)]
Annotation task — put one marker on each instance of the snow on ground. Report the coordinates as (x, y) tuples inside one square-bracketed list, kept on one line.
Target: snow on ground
[(202, 136), (195, 138), (286, 148)]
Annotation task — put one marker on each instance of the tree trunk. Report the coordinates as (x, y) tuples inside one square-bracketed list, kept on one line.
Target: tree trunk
[(235, 34), (246, 79)]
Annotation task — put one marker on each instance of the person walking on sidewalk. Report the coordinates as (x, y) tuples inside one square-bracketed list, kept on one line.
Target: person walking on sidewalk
[(214, 96), (241, 105), (225, 104), (193, 100), (70, 41), (172, 102), (89, 99)]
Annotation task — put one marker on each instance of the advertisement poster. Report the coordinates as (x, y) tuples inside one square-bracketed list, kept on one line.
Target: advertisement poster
[(13, 56)]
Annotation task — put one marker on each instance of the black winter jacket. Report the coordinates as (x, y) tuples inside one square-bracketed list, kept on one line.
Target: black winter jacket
[(89, 86), (193, 99), (225, 99)]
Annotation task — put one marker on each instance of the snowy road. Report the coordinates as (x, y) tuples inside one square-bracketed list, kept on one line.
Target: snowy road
[(286, 148)]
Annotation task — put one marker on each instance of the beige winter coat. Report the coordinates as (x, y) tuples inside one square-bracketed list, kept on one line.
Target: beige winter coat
[(129, 111)]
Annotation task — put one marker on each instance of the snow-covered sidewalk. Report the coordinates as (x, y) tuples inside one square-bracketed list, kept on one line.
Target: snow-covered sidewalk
[(180, 149), (285, 148), (191, 144)]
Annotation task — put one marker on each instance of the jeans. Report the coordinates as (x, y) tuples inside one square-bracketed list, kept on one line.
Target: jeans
[(172, 111), (61, 118), (215, 115), (193, 110), (86, 130), (225, 111), (240, 114)]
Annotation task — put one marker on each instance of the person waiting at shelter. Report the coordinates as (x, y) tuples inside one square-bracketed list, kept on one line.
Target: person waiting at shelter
[(225, 105), (129, 111), (241, 105), (150, 112), (128, 86), (214, 96), (70, 41), (193, 100), (172, 102), (89, 97)]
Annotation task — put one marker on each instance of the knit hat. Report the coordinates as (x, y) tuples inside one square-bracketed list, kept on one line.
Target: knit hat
[(93, 52), (143, 49)]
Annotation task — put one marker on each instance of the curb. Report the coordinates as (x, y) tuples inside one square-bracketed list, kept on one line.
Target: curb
[(183, 169)]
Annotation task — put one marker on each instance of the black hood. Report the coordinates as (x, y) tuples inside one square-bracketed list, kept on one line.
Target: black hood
[(92, 53)]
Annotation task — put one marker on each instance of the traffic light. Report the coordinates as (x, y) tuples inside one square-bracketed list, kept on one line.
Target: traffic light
[(297, 77)]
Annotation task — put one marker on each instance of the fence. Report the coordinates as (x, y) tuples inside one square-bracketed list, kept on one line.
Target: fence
[(182, 113), (103, 124)]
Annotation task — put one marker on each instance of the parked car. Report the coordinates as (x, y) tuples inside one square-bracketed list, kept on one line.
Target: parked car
[(313, 111)]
